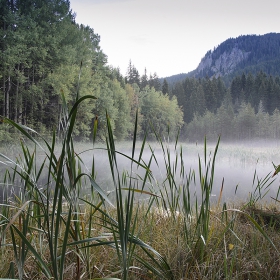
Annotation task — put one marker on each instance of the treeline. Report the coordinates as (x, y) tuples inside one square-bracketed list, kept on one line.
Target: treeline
[(230, 125), (249, 108), (45, 53)]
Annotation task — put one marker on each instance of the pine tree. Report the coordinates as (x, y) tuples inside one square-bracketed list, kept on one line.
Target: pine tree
[(154, 82), (132, 75), (144, 80), (165, 87), (129, 73)]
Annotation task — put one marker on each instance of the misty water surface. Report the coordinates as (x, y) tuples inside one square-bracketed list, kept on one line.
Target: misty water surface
[(236, 163)]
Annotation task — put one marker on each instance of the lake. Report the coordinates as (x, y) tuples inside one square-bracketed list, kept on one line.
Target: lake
[(235, 166)]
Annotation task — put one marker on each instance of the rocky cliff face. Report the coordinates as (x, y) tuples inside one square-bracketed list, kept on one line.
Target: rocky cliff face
[(244, 54), (225, 64)]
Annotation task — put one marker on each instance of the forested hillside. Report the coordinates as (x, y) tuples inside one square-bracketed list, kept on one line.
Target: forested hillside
[(235, 56), (45, 53), (248, 108), (247, 53)]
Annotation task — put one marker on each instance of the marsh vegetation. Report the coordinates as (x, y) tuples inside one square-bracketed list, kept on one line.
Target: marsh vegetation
[(161, 211), (149, 208)]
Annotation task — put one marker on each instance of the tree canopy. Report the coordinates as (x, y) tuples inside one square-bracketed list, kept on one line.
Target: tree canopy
[(45, 53)]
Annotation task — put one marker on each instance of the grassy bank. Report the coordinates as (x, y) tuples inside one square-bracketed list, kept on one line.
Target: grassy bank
[(235, 249), (68, 227)]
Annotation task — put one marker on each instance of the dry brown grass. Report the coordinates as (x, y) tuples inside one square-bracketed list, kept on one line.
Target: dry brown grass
[(239, 253)]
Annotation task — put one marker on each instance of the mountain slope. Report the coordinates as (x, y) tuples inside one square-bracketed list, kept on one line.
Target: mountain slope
[(247, 53), (244, 54)]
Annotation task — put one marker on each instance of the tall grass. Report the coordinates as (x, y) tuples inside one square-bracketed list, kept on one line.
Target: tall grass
[(63, 232), (46, 222)]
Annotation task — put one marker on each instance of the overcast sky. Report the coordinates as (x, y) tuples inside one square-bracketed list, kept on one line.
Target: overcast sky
[(171, 36)]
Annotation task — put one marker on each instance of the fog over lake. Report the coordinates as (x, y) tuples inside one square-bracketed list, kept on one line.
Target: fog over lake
[(235, 162)]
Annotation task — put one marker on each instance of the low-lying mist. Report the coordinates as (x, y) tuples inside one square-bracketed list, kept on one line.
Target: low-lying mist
[(239, 166)]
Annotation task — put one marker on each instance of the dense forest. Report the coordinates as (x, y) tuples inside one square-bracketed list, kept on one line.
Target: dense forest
[(249, 108), (45, 54)]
